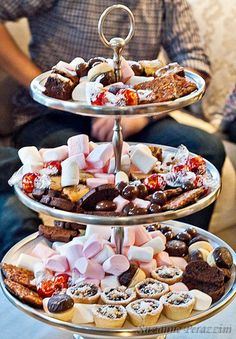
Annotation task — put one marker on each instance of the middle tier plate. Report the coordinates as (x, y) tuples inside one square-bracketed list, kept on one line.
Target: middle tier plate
[(129, 220)]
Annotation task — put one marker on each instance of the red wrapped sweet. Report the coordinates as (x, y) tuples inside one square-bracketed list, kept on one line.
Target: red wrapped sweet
[(54, 167), (28, 182), (155, 182)]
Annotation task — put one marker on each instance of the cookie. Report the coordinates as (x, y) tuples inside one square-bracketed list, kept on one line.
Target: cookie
[(19, 275)]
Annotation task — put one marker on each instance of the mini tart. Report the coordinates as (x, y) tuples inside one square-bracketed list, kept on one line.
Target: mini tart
[(167, 274), (84, 293), (144, 312), (120, 295), (151, 289), (177, 305), (111, 316)]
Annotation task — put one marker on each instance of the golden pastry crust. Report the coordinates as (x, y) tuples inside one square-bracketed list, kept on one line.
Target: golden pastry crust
[(177, 305), (144, 312), (110, 316), (84, 293), (120, 295), (167, 274), (151, 289)]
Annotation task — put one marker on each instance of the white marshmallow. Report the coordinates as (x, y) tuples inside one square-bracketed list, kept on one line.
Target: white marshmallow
[(141, 203), (56, 245), (143, 161), (202, 300), (92, 90), (55, 154), (144, 254), (28, 261), (103, 231), (76, 61), (104, 254), (29, 155), (143, 147), (121, 176), (78, 144), (110, 281), (120, 203), (70, 173), (32, 168), (83, 313), (157, 245)]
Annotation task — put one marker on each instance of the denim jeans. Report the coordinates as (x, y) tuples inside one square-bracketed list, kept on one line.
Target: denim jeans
[(17, 221)]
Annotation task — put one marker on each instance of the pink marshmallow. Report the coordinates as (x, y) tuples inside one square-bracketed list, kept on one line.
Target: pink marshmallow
[(42, 251), (178, 287), (147, 267), (179, 262), (126, 70), (57, 263), (125, 148), (104, 254), (109, 177), (120, 203), (78, 144), (88, 281), (95, 182), (94, 170), (141, 235), (80, 160), (92, 145), (163, 259), (129, 236), (116, 264), (100, 155), (75, 275), (89, 268), (141, 203), (54, 154), (93, 246), (155, 234), (125, 251), (72, 252)]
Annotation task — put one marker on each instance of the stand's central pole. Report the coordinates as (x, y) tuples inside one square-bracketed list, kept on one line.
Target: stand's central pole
[(117, 141)]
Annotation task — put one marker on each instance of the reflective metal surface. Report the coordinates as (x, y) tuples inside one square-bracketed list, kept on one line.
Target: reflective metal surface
[(130, 220), (83, 108), (164, 325)]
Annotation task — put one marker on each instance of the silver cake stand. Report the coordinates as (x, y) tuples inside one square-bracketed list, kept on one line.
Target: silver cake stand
[(164, 326)]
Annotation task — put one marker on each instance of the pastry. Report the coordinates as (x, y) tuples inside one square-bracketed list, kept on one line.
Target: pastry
[(176, 248), (167, 274), (57, 233), (151, 288), (220, 257), (110, 316), (23, 293), (201, 276), (177, 305), (59, 86), (132, 276), (84, 293), (19, 275), (144, 312), (120, 295)]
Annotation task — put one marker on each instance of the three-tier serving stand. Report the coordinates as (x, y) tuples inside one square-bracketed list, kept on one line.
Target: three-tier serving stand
[(164, 326)]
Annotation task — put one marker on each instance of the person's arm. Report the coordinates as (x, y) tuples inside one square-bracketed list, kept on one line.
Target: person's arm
[(181, 40), (13, 61)]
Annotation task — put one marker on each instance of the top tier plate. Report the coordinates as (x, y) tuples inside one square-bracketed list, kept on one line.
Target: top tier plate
[(83, 108)]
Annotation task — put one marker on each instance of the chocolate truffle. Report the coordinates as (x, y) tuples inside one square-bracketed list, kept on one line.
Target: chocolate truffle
[(176, 248), (60, 303)]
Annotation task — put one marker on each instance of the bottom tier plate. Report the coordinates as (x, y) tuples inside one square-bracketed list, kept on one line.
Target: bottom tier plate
[(164, 325)]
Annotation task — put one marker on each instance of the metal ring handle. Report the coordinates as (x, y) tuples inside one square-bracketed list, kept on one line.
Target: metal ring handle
[(103, 17)]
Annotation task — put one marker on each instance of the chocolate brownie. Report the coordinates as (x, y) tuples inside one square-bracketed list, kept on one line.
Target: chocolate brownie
[(53, 233), (69, 225), (199, 275), (59, 86), (62, 204)]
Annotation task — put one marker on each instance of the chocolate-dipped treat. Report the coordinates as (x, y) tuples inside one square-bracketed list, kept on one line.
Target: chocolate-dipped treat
[(60, 86), (138, 211), (159, 198), (169, 235), (95, 60), (136, 67), (184, 236), (154, 208), (165, 229), (69, 225), (130, 192), (82, 69), (176, 248), (105, 205), (120, 186), (172, 68), (128, 207), (220, 257), (195, 255), (227, 273), (153, 227), (143, 191), (102, 192), (198, 238), (192, 231), (60, 303), (103, 73)]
